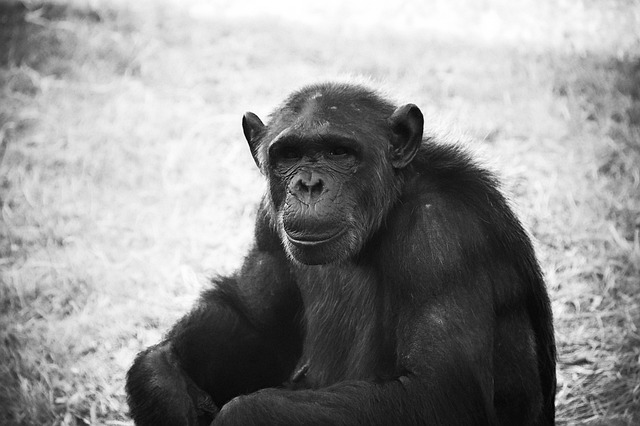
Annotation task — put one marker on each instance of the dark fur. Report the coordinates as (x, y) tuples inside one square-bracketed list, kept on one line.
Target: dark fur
[(432, 309)]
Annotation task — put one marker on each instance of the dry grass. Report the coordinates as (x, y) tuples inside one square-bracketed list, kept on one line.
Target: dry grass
[(125, 180)]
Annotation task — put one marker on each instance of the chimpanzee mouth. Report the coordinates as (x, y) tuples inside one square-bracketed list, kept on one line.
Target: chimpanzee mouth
[(305, 240)]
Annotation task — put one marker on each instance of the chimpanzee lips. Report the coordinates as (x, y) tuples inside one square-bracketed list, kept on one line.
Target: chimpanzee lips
[(312, 240)]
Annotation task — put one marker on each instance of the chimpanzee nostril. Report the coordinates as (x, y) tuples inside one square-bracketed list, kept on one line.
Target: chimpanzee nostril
[(315, 188), (309, 186)]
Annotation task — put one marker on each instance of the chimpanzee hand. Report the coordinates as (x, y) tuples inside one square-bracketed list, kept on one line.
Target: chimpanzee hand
[(205, 408), (171, 397)]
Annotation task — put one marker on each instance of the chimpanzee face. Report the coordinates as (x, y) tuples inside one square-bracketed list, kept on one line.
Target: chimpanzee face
[(331, 170)]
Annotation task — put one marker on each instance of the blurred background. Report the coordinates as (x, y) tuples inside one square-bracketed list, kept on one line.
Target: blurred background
[(125, 179)]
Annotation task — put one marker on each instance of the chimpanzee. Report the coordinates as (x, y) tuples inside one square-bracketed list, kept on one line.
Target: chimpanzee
[(389, 283)]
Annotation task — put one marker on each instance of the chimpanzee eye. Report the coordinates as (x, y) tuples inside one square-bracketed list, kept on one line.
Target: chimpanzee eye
[(289, 153), (339, 151)]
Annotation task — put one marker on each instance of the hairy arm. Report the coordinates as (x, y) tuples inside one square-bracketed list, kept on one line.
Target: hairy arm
[(241, 336), (445, 365)]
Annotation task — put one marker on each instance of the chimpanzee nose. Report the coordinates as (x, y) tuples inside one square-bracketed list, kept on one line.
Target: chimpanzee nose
[(308, 186)]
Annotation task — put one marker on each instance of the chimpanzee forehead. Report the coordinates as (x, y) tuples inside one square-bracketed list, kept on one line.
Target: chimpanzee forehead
[(319, 107), (330, 98), (345, 107)]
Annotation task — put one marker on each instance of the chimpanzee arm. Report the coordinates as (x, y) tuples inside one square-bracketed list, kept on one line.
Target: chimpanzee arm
[(445, 358), (241, 336)]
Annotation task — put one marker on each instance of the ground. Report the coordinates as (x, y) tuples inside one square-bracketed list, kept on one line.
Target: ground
[(125, 180)]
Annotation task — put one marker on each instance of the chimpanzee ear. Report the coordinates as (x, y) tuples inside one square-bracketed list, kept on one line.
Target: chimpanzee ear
[(407, 124), (252, 126)]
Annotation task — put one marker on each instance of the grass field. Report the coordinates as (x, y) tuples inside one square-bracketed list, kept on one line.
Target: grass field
[(125, 179)]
